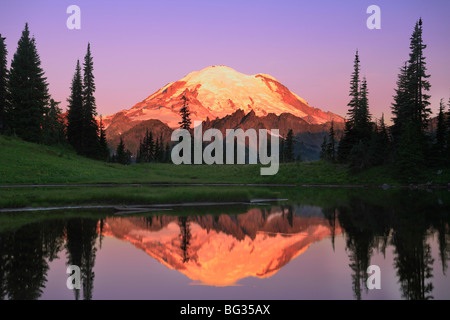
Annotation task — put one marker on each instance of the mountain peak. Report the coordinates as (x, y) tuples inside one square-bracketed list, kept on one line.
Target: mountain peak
[(217, 91)]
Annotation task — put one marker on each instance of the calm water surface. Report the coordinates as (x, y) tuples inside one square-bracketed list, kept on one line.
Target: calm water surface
[(317, 245)]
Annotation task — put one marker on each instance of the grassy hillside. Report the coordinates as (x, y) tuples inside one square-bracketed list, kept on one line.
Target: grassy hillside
[(27, 163)]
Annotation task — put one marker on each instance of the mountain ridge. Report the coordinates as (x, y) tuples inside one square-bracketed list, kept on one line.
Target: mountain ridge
[(222, 98), (217, 91)]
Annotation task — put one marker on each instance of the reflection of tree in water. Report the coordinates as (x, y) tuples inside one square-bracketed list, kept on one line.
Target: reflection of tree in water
[(185, 236), (444, 244), (289, 216), (3, 259), (148, 221), (413, 259), (81, 250), (408, 218), (100, 236), (26, 268), (332, 214), (360, 243), (23, 254), (414, 267)]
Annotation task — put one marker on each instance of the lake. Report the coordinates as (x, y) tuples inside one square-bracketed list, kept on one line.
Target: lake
[(316, 244)]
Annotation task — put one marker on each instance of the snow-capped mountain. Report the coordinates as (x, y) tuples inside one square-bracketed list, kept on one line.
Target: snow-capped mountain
[(218, 91)]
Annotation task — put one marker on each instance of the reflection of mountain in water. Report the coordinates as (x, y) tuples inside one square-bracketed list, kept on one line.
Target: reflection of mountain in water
[(224, 249)]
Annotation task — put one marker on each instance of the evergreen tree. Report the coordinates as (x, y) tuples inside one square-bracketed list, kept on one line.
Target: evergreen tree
[(157, 151), (411, 108), (90, 127), (121, 156), (448, 134), (409, 159), (359, 157), (357, 127), (146, 152), (28, 90), (128, 157), (75, 114), (418, 83), (139, 157), (167, 153), (185, 122), (104, 151), (324, 149), (331, 145), (289, 147), (347, 142), (3, 83), (402, 101), (53, 128), (161, 149), (379, 147), (281, 150), (441, 132), (363, 125), (354, 103), (150, 147)]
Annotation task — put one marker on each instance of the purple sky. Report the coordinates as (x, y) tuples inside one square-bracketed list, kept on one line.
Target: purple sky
[(309, 46)]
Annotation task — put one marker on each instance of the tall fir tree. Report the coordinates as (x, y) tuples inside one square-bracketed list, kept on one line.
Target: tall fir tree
[(402, 103), (350, 137), (185, 122), (347, 142), (121, 155), (139, 153), (331, 145), (103, 151), (417, 76), (161, 149), (90, 127), (75, 113), (448, 134), (355, 95), (411, 109), (289, 147), (358, 127), (409, 159), (379, 147), (53, 128), (362, 121), (150, 147), (324, 149), (147, 149), (281, 150), (3, 84), (440, 145), (28, 90)]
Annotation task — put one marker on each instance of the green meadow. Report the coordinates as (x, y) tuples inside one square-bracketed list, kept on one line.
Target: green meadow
[(23, 163)]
